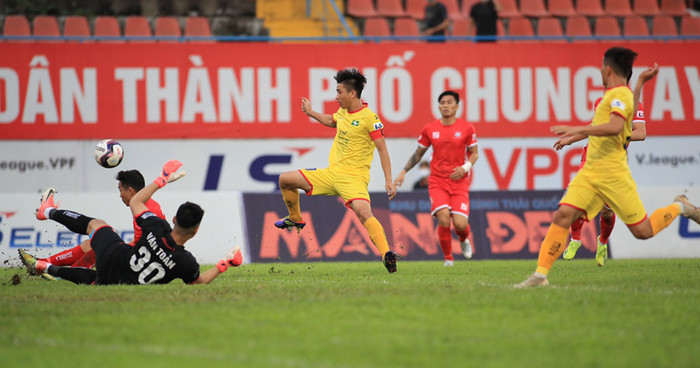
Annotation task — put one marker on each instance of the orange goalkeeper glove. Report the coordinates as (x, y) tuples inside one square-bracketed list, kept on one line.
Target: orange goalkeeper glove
[(233, 258), (170, 173)]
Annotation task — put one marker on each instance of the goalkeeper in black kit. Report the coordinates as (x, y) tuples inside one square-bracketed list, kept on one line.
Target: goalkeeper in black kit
[(157, 258)]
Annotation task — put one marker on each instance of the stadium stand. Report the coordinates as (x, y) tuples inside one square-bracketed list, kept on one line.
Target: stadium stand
[(361, 8), (467, 7), (460, 27), (591, 8), (673, 7), (16, 25), (618, 8), (197, 27), (690, 26), (167, 27), (635, 25), (137, 26), (452, 9), (561, 8), (578, 26), (107, 27), (646, 7), (406, 27), (533, 8), (550, 27), (508, 9), (390, 8), (416, 8), (376, 27), (607, 26), (519, 27), (664, 25), (76, 26), (46, 25)]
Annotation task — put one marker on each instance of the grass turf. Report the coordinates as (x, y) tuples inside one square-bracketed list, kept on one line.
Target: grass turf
[(630, 313)]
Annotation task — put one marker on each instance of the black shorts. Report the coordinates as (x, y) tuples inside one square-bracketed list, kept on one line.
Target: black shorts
[(110, 250)]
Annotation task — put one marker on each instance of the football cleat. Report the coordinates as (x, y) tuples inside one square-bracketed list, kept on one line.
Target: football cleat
[(466, 248), (449, 263), (46, 202), (687, 209), (601, 255), (42, 268), (533, 281), (389, 261), (286, 222), (570, 251), (29, 261)]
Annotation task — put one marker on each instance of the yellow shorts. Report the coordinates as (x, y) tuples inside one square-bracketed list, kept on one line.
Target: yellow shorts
[(331, 182), (589, 192)]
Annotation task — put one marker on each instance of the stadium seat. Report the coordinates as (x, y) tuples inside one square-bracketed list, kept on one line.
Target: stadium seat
[(460, 27), (591, 8), (690, 26), (452, 9), (520, 26), (376, 27), (137, 26), (390, 8), (16, 25), (198, 27), (406, 27), (548, 26), (46, 25), (467, 7), (646, 7), (561, 8), (618, 8), (107, 27), (578, 26), (673, 7), (635, 25), (416, 8), (508, 9), (664, 25), (361, 8), (533, 8), (607, 26), (76, 26), (167, 27)]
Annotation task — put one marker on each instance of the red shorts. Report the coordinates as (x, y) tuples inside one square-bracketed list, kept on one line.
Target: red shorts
[(450, 194)]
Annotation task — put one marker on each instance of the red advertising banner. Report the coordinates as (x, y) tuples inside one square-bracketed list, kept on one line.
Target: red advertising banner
[(253, 90)]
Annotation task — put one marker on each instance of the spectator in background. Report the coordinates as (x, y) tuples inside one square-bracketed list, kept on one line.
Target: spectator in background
[(436, 20), (423, 174), (484, 15)]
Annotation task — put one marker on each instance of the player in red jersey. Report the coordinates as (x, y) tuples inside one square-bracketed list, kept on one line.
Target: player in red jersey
[(607, 216), (129, 183), (455, 151)]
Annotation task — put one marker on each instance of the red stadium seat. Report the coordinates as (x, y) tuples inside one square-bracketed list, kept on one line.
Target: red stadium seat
[(690, 26), (452, 9), (406, 27), (646, 7), (578, 26), (107, 27), (673, 7), (167, 27), (589, 8), (376, 27), (390, 8), (635, 25), (361, 8), (664, 25), (416, 8), (607, 26), (76, 26), (618, 8), (197, 27), (550, 27), (508, 9), (460, 27), (467, 7), (520, 26), (137, 26), (561, 8), (45, 25), (533, 8), (17, 25)]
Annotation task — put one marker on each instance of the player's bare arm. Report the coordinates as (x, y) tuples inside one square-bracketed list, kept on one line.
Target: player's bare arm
[(565, 141), (386, 166), (614, 127), (459, 171), (324, 119), (412, 161), (639, 132), (644, 77)]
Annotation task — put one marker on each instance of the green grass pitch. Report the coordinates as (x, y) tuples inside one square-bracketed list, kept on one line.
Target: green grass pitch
[(630, 313)]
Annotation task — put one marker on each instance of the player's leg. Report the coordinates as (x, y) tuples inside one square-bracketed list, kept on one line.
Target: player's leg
[(363, 210), (460, 217), (290, 182), (445, 234), (65, 258), (662, 217), (607, 223), (74, 221), (575, 242)]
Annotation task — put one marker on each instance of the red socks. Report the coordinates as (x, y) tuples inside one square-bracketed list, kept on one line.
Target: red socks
[(445, 239), (606, 228), (66, 258), (86, 261), (576, 229), (463, 235)]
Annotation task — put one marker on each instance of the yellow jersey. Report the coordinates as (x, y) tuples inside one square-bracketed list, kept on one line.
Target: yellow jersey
[(609, 153), (353, 146)]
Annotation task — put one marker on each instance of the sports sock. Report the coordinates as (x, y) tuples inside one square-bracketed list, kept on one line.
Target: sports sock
[(86, 261), (445, 239), (462, 235), (77, 275), (67, 257), (291, 200), (576, 229), (552, 247), (376, 233), (74, 221), (606, 228), (663, 217)]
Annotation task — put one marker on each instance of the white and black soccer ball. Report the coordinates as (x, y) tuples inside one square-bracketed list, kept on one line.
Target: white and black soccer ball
[(109, 153)]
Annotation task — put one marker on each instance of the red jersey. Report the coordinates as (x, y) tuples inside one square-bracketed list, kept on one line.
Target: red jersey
[(450, 144), (152, 206), (638, 118)]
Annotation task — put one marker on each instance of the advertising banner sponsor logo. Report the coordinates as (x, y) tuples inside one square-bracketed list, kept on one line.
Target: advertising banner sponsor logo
[(245, 90)]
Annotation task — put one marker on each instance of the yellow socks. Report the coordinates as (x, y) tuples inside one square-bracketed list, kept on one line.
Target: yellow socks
[(291, 200), (376, 233), (663, 217), (552, 247)]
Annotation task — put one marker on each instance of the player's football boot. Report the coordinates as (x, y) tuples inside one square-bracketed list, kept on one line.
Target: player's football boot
[(570, 251), (687, 209), (466, 248), (533, 281), (35, 267), (389, 261), (46, 202), (449, 263), (286, 222), (601, 255), (41, 268)]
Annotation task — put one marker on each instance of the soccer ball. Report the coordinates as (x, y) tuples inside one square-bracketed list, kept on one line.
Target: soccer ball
[(109, 153)]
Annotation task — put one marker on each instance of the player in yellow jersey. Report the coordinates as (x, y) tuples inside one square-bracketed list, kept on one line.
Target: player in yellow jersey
[(358, 132), (606, 177)]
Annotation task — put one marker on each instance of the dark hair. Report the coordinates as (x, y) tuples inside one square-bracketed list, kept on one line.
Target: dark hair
[(352, 79), (131, 179), (189, 215), (620, 60), (449, 93)]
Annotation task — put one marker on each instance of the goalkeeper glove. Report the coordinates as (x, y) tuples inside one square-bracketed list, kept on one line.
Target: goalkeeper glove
[(233, 258), (170, 173)]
